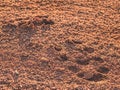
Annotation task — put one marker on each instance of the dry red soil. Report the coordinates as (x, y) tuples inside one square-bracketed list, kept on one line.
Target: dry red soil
[(60, 45)]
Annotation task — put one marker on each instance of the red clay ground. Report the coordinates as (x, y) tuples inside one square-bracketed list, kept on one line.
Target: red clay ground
[(62, 45)]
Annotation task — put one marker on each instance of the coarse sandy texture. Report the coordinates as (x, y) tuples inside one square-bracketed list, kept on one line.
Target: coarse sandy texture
[(60, 45)]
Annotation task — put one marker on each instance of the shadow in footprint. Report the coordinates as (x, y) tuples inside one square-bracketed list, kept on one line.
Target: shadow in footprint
[(26, 31), (103, 69), (59, 74), (89, 49), (10, 29), (96, 77), (24, 57), (63, 57), (73, 69), (82, 61), (99, 59), (43, 22), (33, 46), (90, 76)]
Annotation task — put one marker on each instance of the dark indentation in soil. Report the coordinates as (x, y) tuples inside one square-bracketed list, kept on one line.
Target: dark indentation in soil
[(59, 74), (73, 69), (63, 57), (51, 51), (26, 27), (58, 48), (90, 76), (34, 47), (82, 61), (69, 44), (94, 77), (76, 41), (22, 23), (99, 59), (24, 57), (89, 49), (9, 28), (37, 21), (44, 65), (4, 82), (103, 69), (24, 40), (26, 30), (80, 75), (69, 41), (45, 27), (95, 43), (46, 22)]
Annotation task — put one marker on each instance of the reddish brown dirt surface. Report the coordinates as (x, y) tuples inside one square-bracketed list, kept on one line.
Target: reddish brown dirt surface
[(60, 45)]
